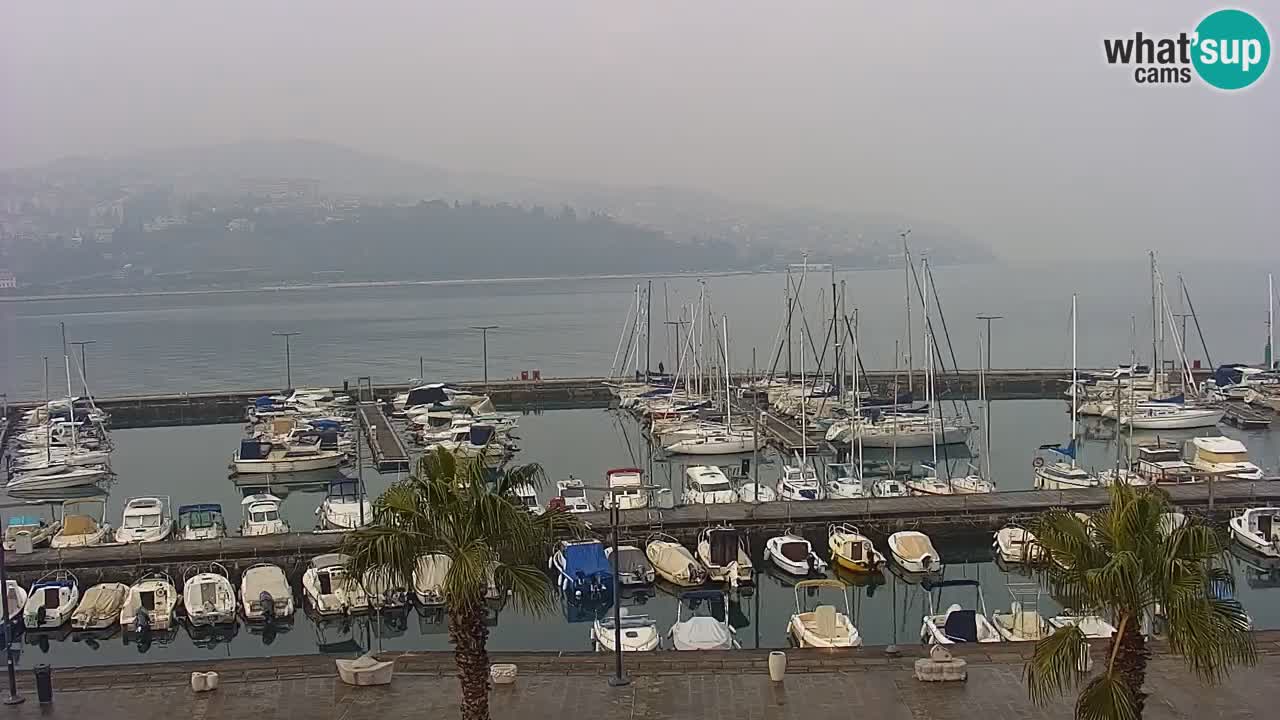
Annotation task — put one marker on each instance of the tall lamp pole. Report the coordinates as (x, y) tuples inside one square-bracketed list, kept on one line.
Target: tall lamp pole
[(14, 698), (84, 369), (288, 358), (484, 339)]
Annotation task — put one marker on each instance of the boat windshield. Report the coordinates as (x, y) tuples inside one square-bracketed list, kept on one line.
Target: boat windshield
[(142, 521), (265, 516), (710, 486), (202, 519), (1215, 457), (528, 501), (572, 492)]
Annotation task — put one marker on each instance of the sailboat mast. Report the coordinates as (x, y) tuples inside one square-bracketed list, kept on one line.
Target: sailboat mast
[(906, 279), (48, 418), (1271, 324), (71, 403), (1155, 354), (857, 398), (728, 406), (648, 332), (1075, 379)]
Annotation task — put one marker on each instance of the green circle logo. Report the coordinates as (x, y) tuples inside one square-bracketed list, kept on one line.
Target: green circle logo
[(1232, 49)]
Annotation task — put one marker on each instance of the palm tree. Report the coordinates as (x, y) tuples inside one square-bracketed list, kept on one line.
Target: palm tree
[(1128, 563), (459, 508)]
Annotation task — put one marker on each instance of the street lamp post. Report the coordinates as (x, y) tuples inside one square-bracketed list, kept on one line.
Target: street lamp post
[(484, 339), (84, 369), (288, 358), (14, 698)]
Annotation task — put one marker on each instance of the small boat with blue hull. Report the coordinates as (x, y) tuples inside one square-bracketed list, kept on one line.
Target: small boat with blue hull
[(584, 570)]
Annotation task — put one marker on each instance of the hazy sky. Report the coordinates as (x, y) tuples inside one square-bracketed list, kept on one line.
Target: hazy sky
[(999, 117)]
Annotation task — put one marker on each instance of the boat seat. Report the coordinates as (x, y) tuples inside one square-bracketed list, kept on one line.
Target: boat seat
[(79, 525), (824, 621), (961, 626)]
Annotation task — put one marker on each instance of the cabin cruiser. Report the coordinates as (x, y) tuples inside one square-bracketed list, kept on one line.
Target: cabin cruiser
[(150, 605), (201, 522), (1060, 473), (822, 626), (1223, 457), (327, 588), (265, 594), (793, 555), (1258, 529), (852, 550), (639, 633), (626, 489), (707, 485), (673, 562), (51, 600), (428, 579), (99, 607), (957, 624), (914, 552), (799, 482), (1023, 621), (583, 569), (344, 506), (526, 496), (79, 528), (1016, 545), (17, 600), (58, 477), (633, 568), (573, 497), (702, 632), (843, 483), (145, 519), (255, 457), (723, 552), (208, 596), (1169, 416), (262, 516), (39, 531)]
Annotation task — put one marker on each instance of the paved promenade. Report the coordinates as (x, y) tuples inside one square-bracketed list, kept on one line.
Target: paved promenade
[(716, 686)]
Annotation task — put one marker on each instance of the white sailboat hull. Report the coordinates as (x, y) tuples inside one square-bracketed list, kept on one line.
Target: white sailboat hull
[(1184, 420), (915, 439), (321, 462)]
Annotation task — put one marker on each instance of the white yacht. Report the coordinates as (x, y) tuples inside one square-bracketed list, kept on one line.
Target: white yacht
[(957, 624), (428, 579), (755, 493), (843, 483), (1169, 416), (793, 555), (326, 586), (265, 594), (722, 550), (822, 626), (208, 596), (1258, 529), (1061, 473), (799, 482), (1016, 545), (51, 600), (262, 516), (1224, 457), (727, 442), (626, 487), (887, 487), (914, 552), (573, 497), (201, 522), (256, 457), (707, 485), (526, 496), (150, 605), (145, 519), (345, 506), (639, 633)]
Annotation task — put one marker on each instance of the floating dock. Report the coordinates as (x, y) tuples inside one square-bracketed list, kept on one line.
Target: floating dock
[(1246, 417), (389, 452)]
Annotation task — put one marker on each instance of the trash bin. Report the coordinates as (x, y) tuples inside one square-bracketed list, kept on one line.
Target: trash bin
[(44, 683)]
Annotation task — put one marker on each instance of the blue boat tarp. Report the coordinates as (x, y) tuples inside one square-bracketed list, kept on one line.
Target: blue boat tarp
[(24, 521), (584, 561)]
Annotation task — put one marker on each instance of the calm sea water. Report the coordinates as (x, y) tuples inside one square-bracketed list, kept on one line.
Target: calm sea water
[(571, 327), (189, 464)]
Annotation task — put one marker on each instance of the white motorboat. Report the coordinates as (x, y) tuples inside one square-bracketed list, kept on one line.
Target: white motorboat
[(639, 633), (262, 516), (327, 588), (626, 488), (793, 555), (852, 550), (971, 484), (201, 522), (150, 605), (17, 600), (957, 624), (707, 485), (428, 579), (255, 456), (889, 487), (702, 632), (37, 529), (822, 626), (721, 443), (1223, 457), (673, 562), (344, 507), (929, 483), (755, 493), (914, 552), (526, 496), (632, 566), (799, 482), (1022, 622), (1060, 473), (382, 592), (1258, 529), (51, 601), (208, 596), (723, 552), (60, 477), (1093, 626), (843, 483), (1016, 545), (144, 520), (99, 607), (1168, 416), (572, 496), (265, 594), (79, 527)]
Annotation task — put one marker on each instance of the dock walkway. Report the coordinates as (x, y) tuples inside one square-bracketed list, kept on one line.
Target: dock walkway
[(389, 452)]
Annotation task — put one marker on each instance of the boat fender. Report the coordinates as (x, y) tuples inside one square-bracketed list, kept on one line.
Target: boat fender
[(1037, 463)]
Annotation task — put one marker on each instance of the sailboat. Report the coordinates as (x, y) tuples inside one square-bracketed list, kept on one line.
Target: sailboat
[(1058, 471), (710, 439)]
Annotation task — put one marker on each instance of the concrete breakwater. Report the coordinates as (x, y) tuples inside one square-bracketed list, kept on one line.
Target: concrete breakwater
[(208, 408)]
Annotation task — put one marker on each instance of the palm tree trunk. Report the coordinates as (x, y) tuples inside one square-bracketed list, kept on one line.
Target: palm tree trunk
[(468, 633), (1131, 662)]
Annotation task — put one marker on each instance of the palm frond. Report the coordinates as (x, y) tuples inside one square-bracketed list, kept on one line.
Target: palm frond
[(1106, 697), (1054, 667)]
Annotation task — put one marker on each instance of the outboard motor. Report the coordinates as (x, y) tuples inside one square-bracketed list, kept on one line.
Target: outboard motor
[(268, 604), (141, 621)]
